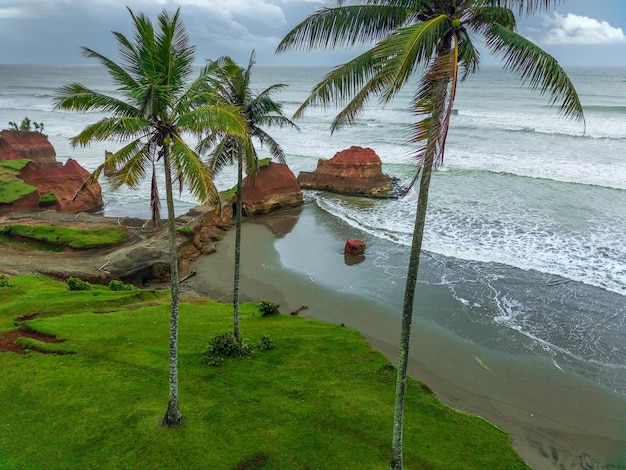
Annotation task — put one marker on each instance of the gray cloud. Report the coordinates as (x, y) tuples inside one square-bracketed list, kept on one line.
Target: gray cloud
[(45, 31)]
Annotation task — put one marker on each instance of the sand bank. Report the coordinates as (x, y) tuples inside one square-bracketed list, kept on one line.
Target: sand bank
[(555, 419)]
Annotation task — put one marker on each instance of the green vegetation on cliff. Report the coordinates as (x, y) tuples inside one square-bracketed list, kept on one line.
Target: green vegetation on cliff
[(12, 188), (321, 398), (64, 237)]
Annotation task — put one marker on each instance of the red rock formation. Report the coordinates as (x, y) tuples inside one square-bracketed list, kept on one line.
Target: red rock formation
[(29, 202), (64, 182), (356, 171), (274, 186), (354, 247), (6, 151), (34, 146)]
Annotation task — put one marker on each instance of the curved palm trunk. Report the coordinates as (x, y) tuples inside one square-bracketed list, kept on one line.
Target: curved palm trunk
[(172, 417), (237, 249), (407, 314), (409, 291)]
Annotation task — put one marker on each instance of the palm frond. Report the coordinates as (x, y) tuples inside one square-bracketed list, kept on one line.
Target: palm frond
[(77, 97), (330, 28), (131, 163), (120, 76), (408, 48), (196, 174), (120, 128), (274, 148), (526, 7), (483, 18), (343, 82), (155, 200), (536, 68), (224, 153), (223, 118), (435, 99), (469, 57)]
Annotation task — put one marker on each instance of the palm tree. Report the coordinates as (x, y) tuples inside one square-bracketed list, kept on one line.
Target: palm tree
[(436, 38), (232, 83), (158, 104)]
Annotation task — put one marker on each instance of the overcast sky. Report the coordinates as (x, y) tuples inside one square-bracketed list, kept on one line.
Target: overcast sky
[(578, 32)]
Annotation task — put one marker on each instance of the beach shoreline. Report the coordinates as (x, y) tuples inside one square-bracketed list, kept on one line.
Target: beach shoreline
[(555, 419)]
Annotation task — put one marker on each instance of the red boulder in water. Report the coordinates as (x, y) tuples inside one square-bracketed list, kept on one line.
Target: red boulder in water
[(354, 247)]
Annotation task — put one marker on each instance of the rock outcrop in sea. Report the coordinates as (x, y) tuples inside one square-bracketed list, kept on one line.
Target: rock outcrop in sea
[(356, 171), (31, 178), (274, 187)]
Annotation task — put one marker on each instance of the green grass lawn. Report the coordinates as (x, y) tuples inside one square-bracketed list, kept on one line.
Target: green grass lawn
[(321, 399)]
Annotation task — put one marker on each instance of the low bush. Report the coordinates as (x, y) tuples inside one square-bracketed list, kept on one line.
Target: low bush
[(223, 345), (5, 281), (117, 285), (268, 308), (75, 283), (266, 343)]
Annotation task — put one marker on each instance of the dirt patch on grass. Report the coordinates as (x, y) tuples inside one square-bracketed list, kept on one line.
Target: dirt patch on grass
[(9, 343)]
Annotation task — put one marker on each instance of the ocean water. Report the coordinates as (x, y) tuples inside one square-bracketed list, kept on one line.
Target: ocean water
[(527, 217)]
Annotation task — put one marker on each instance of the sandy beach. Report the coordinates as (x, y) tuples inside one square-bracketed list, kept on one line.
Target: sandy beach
[(555, 419)]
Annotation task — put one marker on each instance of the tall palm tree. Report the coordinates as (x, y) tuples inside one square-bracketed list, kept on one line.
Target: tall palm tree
[(437, 39), (158, 105), (232, 83)]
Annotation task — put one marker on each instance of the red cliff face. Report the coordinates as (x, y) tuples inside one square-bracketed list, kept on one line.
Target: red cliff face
[(64, 182), (274, 187), (33, 146), (355, 171), (46, 175)]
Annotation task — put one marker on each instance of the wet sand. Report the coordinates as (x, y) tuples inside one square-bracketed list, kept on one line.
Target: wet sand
[(556, 420)]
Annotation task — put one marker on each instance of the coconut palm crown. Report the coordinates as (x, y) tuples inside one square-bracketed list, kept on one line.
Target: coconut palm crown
[(155, 106), (437, 40)]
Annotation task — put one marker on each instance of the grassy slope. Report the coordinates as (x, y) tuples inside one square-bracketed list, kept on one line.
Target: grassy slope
[(321, 399), (62, 237), (12, 187)]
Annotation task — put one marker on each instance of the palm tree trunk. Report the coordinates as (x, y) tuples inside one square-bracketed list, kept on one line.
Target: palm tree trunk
[(409, 291), (237, 250), (172, 417), (407, 313)]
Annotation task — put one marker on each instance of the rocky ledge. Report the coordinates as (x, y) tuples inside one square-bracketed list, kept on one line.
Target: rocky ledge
[(356, 171)]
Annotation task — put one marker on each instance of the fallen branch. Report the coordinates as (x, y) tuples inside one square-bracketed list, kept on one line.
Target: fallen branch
[(189, 276), (104, 266), (298, 310)]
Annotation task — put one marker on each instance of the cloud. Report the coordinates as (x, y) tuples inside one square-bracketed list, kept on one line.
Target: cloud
[(581, 30)]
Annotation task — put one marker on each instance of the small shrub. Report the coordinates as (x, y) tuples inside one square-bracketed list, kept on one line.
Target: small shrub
[(75, 283), (224, 345), (266, 343), (268, 308), (5, 281), (117, 285)]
